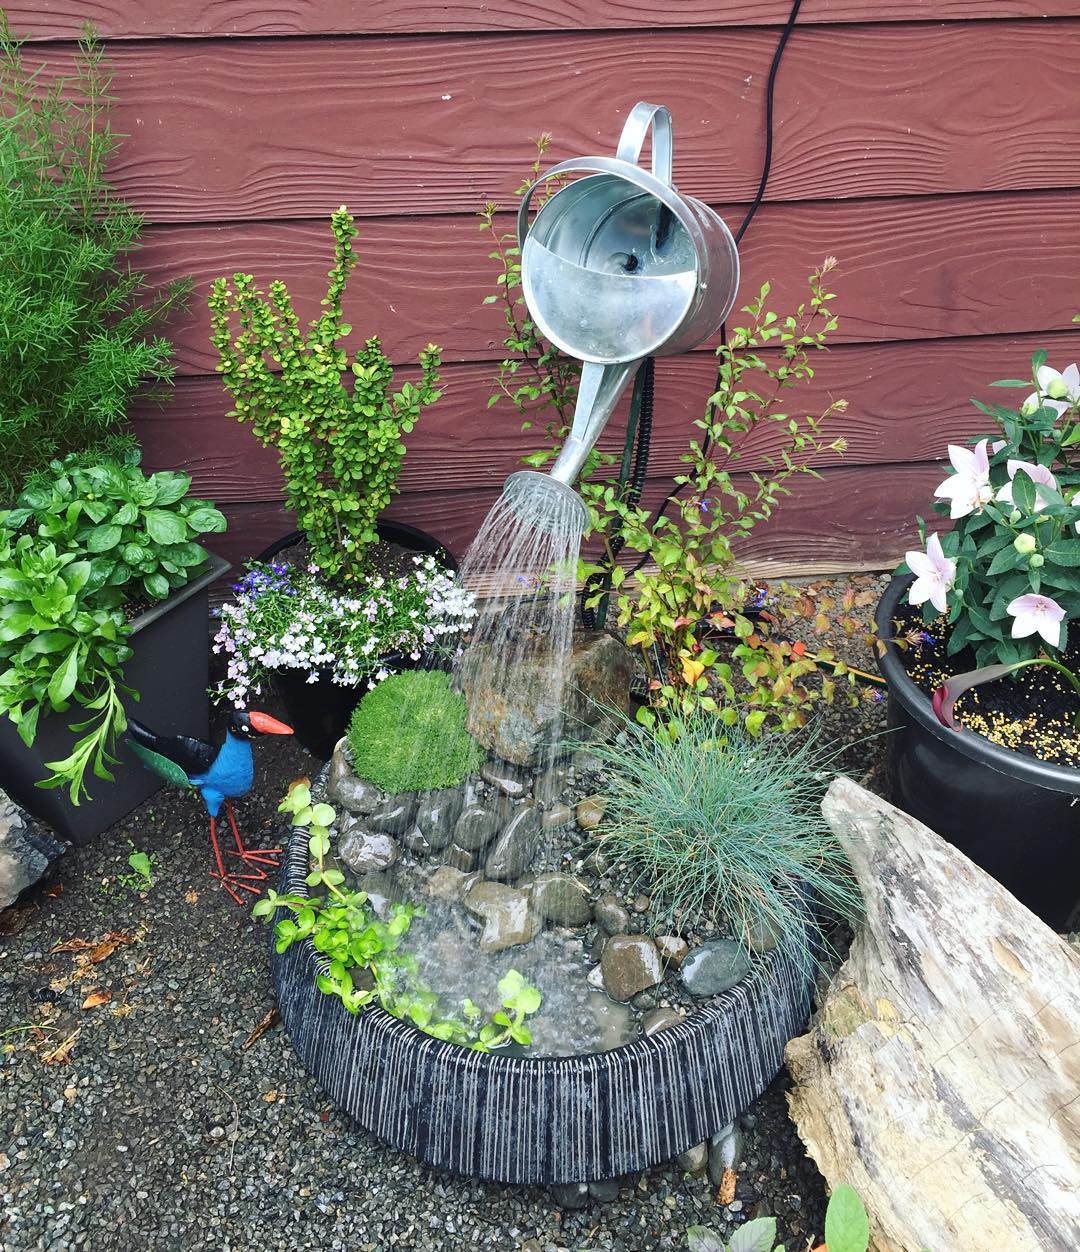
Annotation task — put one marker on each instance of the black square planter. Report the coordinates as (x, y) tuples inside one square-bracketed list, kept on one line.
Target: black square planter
[(169, 668)]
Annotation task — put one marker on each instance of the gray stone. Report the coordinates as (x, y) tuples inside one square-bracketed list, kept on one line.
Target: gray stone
[(558, 815), (659, 1019), (694, 1159), (515, 849), (571, 1195), (672, 949), (586, 763), (631, 964), (725, 1149), (436, 815), (590, 812), (508, 919), (763, 936), (595, 978), (606, 1192), (611, 915), (364, 850), (641, 904), (394, 816), (25, 850), (715, 967), (347, 789), (416, 842), (518, 723), (459, 858), (382, 891), (476, 827), (448, 883), (549, 785), (507, 778), (561, 899)]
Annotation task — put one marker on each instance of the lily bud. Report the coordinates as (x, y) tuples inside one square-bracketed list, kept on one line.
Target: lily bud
[(1024, 544), (1034, 562), (1014, 516), (1028, 408), (1057, 390)]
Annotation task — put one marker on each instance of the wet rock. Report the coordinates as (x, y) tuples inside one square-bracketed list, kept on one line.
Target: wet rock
[(561, 899), (394, 816), (585, 763), (725, 1149), (507, 778), (382, 891), (476, 827), (763, 936), (25, 850), (571, 1195), (558, 815), (459, 858), (347, 789), (515, 849), (549, 785), (508, 919), (517, 724), (437, 814), (598, 945), (695, 1159), (630, 964), (416, 842), (595, 978), (597, 864), (672, 949), (611, 915), (641, 904), (606, 1192), (715, 967), (590, 812), (450, 884), (364, 850), (659, 1019)]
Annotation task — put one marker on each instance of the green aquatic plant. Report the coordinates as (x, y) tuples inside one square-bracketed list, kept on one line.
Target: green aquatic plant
[(408, 734)]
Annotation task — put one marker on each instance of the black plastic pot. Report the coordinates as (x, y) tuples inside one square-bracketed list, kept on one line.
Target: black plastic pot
[(1014, 815), (169, 669), (319, 712)]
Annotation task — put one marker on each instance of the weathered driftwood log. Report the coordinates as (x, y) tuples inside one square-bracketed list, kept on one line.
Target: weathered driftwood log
[(941, 1077)]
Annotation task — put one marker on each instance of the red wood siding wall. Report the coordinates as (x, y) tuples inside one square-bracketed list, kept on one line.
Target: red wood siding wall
[(933, 146)]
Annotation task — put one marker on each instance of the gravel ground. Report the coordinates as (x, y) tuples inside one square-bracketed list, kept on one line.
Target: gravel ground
[(161, 1130)]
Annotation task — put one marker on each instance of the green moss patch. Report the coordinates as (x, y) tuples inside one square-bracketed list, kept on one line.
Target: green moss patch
[(408, 734)]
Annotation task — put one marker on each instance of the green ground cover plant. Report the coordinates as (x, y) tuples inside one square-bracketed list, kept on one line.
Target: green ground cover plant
[(79, 325), (408, 734), (846, 1230)]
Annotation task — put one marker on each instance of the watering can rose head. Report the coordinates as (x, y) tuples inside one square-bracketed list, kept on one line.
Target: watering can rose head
[(1006, 577)]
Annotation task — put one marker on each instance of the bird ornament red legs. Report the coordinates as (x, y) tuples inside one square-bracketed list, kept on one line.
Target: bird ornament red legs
[(219, 774)]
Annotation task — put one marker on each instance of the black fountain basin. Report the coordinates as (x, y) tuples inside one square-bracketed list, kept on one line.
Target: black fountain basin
[(544, 1120)]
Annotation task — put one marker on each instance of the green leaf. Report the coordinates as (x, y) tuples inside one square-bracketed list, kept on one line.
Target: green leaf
[(702, 1239), (1067, 554), (102, 538), (164, 527), (64, 679), (846, 1225), (756, 1236), (206, 519), (169, 487), (156, 586)]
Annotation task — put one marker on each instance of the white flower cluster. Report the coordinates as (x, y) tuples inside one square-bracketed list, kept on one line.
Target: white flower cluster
[(286, 618)]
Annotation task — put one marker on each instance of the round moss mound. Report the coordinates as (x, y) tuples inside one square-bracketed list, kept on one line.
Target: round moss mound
[(408, 734)]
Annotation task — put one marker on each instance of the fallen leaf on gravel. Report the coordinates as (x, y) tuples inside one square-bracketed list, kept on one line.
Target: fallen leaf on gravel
[(59, 984), (16, 918), (71, 945), (270, 1018), (121, 1010), (270, 1096), (96, 998), (61, 1054), (726, 1192), (191, 896), (108, 945)]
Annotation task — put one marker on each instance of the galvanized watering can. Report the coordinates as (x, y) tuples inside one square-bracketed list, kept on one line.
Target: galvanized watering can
[(617, 267)]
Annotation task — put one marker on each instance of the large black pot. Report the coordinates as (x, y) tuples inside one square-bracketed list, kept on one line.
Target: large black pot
[(1016, 816), (319, 712), (169, 669), (540, 1120)]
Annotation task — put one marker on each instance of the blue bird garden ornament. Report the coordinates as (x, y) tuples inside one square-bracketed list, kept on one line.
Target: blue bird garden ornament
[(219, 774)]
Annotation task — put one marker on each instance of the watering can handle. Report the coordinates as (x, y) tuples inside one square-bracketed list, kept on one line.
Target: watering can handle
[(641, 119)]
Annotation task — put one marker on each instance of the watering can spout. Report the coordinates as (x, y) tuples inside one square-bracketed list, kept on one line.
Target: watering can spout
[(599, 390)]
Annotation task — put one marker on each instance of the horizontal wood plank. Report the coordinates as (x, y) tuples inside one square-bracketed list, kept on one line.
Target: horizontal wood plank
[(178, 19), (905, 402), (441, 124), (909, 269)]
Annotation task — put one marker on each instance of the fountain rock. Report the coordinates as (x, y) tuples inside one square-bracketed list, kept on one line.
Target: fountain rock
[(394, 816), (715, 967), (459, 858), (516, 848), (347, 789), (450, 884), (630, 964), (560, 899), (476, 827), (382, 891), (364, 850), (590, 812), (571, 1195), (507, 778), (437, 814), (763, 937), (519, 724), (672, 949), (694, 1160), (611, 915), (606, 1192), (558, 815), (549, 785), (508, 919)]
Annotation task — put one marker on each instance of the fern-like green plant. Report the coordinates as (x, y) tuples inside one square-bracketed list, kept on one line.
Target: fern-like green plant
[(77, 322), (340, 446)]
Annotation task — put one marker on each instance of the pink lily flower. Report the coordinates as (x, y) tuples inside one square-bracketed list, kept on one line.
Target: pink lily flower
[(934, 575), (1035, 614), (1037, 474), (968, 488), (1066, 385)]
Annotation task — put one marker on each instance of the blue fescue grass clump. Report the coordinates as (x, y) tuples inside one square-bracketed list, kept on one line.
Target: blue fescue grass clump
[(716, 824)]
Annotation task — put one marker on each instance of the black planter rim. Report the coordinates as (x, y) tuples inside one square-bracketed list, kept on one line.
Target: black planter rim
[(395, 532), (916, 704), (216, 566)]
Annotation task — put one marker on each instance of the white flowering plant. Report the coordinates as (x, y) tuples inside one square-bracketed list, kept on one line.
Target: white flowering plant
[(1007, 575), (285, 617)]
